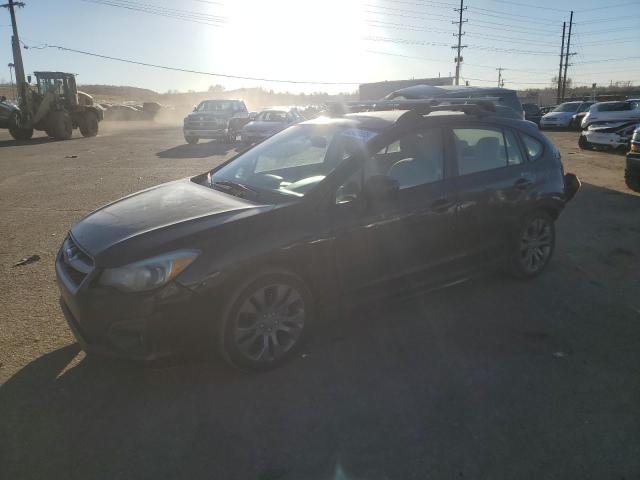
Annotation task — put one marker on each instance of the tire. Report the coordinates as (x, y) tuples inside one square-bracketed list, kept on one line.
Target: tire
[(532, 245), (59, 125), (88, 124), (17, 132), (191, 140), (231, 138), (632, 181), (584, 144), (265, 321)]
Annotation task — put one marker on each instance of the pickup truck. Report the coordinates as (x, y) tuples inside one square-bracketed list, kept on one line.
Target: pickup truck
[(215, 119)]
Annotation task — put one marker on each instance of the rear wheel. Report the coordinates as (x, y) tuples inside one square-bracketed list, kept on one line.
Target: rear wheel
[(265, 321), (532, 245), (88, 124), (59, 125), (191, 140), (17, 132)]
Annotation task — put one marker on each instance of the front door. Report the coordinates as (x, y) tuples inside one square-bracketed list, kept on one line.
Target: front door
[(387, 240)]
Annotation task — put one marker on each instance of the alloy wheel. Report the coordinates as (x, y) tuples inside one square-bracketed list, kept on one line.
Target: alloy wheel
[(269, 322), (535, 245)]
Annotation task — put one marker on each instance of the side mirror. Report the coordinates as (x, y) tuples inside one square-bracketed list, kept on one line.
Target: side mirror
[(381, 188)]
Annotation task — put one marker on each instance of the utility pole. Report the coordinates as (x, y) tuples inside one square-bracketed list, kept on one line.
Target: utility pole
[(459, 47), (17, 54), (500, 79), (566, 58), (558, 96)]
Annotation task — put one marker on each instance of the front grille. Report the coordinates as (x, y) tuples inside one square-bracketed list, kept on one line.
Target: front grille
[(76, 264)]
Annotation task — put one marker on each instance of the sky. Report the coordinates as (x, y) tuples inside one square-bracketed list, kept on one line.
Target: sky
[(350, 41)]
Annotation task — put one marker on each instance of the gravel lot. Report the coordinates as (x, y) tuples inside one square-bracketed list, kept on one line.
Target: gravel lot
[(491, 379)]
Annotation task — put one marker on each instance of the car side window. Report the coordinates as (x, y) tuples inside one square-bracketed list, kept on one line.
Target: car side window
[(533, 147), (479, 149), (413, 160), (514, 154)]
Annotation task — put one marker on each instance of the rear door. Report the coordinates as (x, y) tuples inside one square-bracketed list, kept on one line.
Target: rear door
[(493, 181)]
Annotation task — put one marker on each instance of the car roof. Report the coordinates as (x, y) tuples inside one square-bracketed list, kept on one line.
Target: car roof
[(384, 119), (431, 90)]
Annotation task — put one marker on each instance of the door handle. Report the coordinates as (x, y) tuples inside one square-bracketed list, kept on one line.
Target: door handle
[(522, 183), (441, 205)]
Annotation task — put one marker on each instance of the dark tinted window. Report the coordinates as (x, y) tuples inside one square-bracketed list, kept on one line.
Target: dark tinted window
[(614, 107)]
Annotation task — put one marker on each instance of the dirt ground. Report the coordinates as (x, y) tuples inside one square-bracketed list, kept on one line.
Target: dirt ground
[(491, 379)]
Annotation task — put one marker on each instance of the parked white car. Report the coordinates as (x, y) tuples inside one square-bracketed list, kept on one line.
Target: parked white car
[(562, 115), (611, 136), (612, 112)]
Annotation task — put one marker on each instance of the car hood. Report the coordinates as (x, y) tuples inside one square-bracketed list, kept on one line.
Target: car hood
[(156, 217), (264, 126), (558, 115)]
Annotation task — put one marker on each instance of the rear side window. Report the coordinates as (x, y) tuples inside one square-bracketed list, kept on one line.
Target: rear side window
[(614, 107), (533, 147), (481, 149)]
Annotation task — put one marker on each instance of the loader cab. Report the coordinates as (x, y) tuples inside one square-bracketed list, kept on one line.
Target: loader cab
[(63, 84)]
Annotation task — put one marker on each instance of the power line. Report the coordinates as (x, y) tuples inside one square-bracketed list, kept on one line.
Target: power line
[(608, 7), (189, 16), (212, 74), (530, 6)]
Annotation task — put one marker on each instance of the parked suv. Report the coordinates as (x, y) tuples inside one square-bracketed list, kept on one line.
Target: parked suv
[(612, 112), (331, 209), (216, 119)]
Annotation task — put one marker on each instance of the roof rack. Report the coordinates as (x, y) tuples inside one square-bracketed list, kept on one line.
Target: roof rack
[(475, 106)]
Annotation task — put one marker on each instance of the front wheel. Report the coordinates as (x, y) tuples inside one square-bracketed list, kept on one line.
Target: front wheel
[(532, 245), (583, 143), (265, 321), (60, 125)]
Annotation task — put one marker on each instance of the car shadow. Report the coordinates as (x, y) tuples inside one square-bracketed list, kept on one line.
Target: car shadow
[(199, 150), (34, 141), (493, 366)]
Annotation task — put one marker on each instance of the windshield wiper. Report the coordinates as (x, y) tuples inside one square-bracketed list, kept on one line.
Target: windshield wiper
[(240, 189)]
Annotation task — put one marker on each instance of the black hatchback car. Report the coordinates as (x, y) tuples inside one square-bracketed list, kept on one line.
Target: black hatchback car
[(241, 256)]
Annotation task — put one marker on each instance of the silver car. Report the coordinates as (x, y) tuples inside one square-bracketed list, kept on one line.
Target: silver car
[(268, 123)]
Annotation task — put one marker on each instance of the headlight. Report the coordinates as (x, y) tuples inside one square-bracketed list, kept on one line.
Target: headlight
[(148, 274)]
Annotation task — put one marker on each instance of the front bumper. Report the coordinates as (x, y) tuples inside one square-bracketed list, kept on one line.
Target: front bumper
[(139, 326), (633, 165), (553, 123), (194, 132)]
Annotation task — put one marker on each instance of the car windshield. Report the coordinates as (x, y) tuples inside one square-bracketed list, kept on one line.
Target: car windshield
[(214, 106), (567, 107), (290, 163), (271, 116)]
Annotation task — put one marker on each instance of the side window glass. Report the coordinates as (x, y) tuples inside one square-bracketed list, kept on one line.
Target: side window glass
[(478, 150), (533, 147), (415, 159), (514, 155)]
